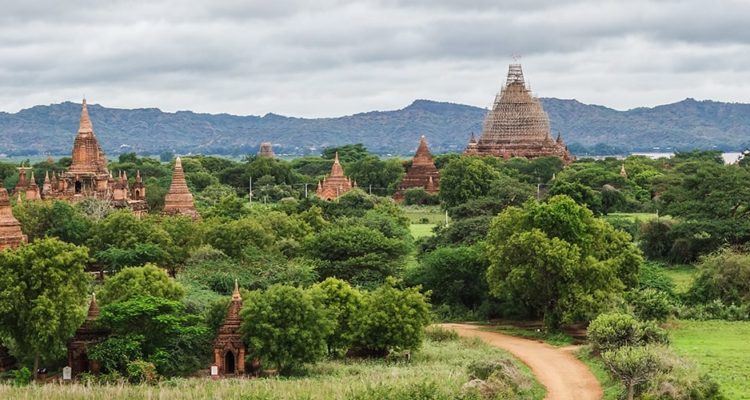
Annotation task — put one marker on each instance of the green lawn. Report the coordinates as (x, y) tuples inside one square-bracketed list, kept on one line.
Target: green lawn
[(682, 275), (417, 214), (638, 216), (437, 371), (421, 230), (720, 348)]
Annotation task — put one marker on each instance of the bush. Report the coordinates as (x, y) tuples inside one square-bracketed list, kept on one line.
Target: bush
[(342, 303), (714, 310), (655, 240), (634, 365), (652, 276), (419, 196), (440, 334), (614, 330), (725, 276), (497, 379), (115, 353), (140, 371), (22, 377), (650, 304), (680, 380)]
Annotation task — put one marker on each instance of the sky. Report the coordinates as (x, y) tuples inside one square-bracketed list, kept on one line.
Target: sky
[(331, 58)]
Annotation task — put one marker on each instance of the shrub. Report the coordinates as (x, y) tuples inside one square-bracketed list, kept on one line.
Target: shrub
[(22, 377), (342, 303), (723, 275), (652, 276), (655, 241), (614, 330), (496, 379), (140, 371), (633, 365), (680, 380), (650, 304), (440, 334), (115, 353), (714, 310), (419, 196)]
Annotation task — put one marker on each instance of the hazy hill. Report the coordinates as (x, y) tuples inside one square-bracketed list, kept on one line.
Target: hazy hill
[(586, 128)]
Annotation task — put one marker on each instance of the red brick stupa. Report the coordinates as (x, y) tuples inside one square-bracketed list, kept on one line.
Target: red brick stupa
[(335, 184), (422, 174), (179, 200), (86, 336), (517, 125), (229, 349), (10, 229)]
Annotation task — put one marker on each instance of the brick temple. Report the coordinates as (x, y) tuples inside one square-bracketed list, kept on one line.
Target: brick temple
[(335, 184), (517, 125), (10, 229), (266, 150), (422, 173), (179, 200), (229, 349), (86, 336)]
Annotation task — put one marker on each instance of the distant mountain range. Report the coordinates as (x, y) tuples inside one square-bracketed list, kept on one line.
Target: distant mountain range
[(688, 124)]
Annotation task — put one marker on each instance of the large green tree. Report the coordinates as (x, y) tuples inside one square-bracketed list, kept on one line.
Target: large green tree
[(148, 280), (466, 178), (558, 261), (42, 297)]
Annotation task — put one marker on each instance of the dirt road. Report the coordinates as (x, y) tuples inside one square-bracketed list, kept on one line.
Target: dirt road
[(559, 371)]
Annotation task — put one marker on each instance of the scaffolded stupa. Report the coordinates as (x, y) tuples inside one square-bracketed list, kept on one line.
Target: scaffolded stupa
[(179, 200), (336, 184), (10, 229), (266, 150), (517, 125), (422, 174)]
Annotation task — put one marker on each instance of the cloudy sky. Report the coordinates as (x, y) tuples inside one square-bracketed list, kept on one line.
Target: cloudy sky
[(331, 58)]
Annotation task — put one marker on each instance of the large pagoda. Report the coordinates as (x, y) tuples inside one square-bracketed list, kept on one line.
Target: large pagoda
[(179, 200), (517, 125), (422, 173), (229, 349), (10, 229), (335, 184)]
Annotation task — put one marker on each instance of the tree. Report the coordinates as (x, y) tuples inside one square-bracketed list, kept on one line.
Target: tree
[(633, 365), (723, 275), (382, 175), (43, 303), (283, 327), (122, 239), (148, 280), (342, 304), (347, 153), (558, 261), (392, 319), (466, 178)]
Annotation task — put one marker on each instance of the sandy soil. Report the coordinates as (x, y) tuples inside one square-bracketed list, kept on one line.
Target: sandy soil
[(560, 372)]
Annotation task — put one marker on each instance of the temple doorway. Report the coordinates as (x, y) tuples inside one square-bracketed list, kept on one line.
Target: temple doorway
[(229, 363), (78, 186)]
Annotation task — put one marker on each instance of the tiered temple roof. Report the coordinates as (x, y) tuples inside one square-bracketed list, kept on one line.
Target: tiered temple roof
[(422, 173), (88, 157), (88, 334), (229, 348), (10, 229), (335, 184), (517, 125), (179, 200), (266, 150)]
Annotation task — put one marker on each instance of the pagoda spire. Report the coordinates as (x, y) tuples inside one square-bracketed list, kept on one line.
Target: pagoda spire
[(10, 229), (85, 125), (179, 200), (93, 309)]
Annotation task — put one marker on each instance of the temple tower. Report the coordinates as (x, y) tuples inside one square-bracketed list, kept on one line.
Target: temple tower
[(23, 181), (266, 150), (87, 335), (229, 349), (10, 229), (32, 190), (422, 174), (517, 125), (335, 184), (179, 200)]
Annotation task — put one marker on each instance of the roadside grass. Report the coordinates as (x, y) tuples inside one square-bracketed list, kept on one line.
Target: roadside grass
[(719, 348), (437, 371), (682, 275), (612, 389), (557, 339)]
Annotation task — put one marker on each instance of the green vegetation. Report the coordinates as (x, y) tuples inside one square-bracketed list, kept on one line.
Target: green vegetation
[(419, 231), (720, 349), (437, 371), (557, 339)]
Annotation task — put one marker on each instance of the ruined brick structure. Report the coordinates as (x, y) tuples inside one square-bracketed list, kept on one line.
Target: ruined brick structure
[(421, 174), (266, 150), (10, 229), (229, 349), (517, 125), (335, 184), (86, 336), (179, 200)]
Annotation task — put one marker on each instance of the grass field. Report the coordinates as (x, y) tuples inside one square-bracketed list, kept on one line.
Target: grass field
[(417, 214), (720, 348), (682, 275), (421, 230), (638, 216), (437, 371)]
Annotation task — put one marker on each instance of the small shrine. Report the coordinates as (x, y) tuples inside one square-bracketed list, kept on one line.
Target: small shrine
[(10, 229), (229, 349), (179, 200), (421, 174), (335, 184), (87, 335)]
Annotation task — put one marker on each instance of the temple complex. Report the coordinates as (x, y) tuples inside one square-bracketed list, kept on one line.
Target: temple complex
[(517, 125), (179, 200), (266, 150), (10, 229), (87, 176), (421, 174), (229, 349), (335, 184), (87, 335)]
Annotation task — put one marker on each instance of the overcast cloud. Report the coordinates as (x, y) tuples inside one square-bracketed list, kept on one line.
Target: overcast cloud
[(331, 58)]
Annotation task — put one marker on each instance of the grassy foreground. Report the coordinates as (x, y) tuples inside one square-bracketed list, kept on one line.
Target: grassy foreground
[(437, 371), (721, 349)]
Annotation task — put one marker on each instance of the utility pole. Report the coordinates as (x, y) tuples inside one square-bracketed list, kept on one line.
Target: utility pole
[(305, 190), (371, 189), (250, 194)]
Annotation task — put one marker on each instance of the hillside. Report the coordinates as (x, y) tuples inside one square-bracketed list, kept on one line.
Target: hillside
[(586, 128)]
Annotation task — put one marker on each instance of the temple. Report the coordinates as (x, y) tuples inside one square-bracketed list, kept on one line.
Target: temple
[(422, 173), (179, 200), (87, 335), (517, 125), (87, 176), (10, 229), (266, 150), (335, 184), (229, 349)]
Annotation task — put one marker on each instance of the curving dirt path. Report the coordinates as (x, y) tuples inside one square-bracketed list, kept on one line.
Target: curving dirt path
[(560, 372)]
